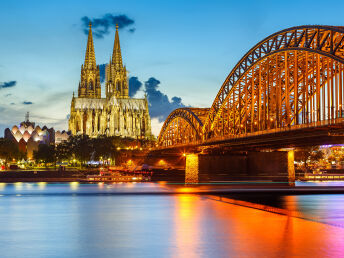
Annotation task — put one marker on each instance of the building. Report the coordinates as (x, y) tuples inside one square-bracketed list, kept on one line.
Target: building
[(115, 115), (61, 136), (28, 136)]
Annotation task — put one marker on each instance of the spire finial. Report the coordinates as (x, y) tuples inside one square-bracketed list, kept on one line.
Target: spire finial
[(27, 117), (90, 59), (116, 55)]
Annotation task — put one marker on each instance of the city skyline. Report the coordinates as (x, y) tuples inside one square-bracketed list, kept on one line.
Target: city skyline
[(172, 128), (42, 50)]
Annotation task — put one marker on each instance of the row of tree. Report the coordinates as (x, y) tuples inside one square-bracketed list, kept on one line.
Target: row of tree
[(83, 149)]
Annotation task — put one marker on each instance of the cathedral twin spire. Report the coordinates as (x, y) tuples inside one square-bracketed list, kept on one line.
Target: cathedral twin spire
[(90, 58), (116, 54), (116, 74), (89, 86)]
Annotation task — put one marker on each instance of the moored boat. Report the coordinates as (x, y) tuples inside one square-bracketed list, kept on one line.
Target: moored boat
[(112, 175)]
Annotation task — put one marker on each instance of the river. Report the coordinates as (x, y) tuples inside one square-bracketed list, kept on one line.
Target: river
[(156, 220)]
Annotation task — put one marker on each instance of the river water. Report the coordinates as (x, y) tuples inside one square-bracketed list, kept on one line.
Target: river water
[(156, 220)]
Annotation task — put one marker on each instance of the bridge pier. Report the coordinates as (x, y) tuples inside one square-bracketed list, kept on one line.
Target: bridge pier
[(192, 168), (275, 166)]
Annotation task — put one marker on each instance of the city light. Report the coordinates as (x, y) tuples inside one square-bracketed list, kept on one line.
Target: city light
[(74, 185), (216, 104)]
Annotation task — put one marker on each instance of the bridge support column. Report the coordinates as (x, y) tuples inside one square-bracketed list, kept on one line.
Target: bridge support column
[(191, 169), (291, 167)]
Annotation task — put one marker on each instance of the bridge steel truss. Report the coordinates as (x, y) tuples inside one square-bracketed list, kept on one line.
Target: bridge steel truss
[(292, 78), (182, 126)]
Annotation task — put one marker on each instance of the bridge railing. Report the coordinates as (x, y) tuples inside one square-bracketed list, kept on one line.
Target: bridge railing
[(318, 124)]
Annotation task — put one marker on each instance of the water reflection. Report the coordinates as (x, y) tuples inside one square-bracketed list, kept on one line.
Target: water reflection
[(186, 223), (259, 232), (18, 185), (41, 185), (77, 220), (74, 185), (2, 186)]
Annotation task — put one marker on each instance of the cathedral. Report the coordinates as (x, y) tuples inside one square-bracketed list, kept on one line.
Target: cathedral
[(115, 115)]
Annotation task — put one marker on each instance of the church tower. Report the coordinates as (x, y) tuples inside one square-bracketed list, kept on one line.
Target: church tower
[(116, 73), (89, 85), (114, 115)]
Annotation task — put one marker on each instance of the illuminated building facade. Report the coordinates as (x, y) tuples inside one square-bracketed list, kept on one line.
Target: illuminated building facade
[(28, 136), (115, 115)]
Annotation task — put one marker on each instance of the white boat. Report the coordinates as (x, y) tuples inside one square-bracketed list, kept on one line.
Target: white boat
[(114, 175)]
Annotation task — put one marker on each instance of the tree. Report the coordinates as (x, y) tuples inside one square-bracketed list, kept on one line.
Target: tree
[(309, 154), (80, 147), (9, 150), (63, 151), (45, 154), (84, 149), (102, 148)]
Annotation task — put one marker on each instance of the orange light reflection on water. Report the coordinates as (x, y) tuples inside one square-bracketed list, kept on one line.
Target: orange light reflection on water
[(186, 226), (258, 231), (242, 231)]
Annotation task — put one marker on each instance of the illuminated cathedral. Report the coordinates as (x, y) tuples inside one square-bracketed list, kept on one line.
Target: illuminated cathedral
[(115, 115)]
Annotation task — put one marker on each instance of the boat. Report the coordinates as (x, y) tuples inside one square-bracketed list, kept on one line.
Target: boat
[(322, 177), (113, 175)]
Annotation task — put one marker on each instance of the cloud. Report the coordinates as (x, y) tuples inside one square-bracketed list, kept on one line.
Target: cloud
[(159, 104), (27, 102), (134, 86), (101, 26), (102, 72), (156, 126), (9, 84), (7, 95)]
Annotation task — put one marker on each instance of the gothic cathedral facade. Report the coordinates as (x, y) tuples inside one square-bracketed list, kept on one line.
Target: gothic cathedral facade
[(115, 115)]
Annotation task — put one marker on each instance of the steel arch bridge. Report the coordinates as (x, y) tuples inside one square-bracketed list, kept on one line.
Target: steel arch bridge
[(289, 80), (183, 126)]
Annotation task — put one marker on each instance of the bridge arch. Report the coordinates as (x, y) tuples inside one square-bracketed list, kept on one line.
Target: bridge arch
[(292, 77), (182, 126)]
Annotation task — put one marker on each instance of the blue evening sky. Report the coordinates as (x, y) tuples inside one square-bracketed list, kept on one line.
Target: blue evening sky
[(189, 46)]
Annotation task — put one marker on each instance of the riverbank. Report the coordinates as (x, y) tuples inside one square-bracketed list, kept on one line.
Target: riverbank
[(174, 176), (42, 176)]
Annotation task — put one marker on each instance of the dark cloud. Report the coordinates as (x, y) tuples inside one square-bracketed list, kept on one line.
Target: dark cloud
[(102, 72), (159, 104), (101, 26), (27, 102), (134, 86), (9, 84), (132, 30)]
